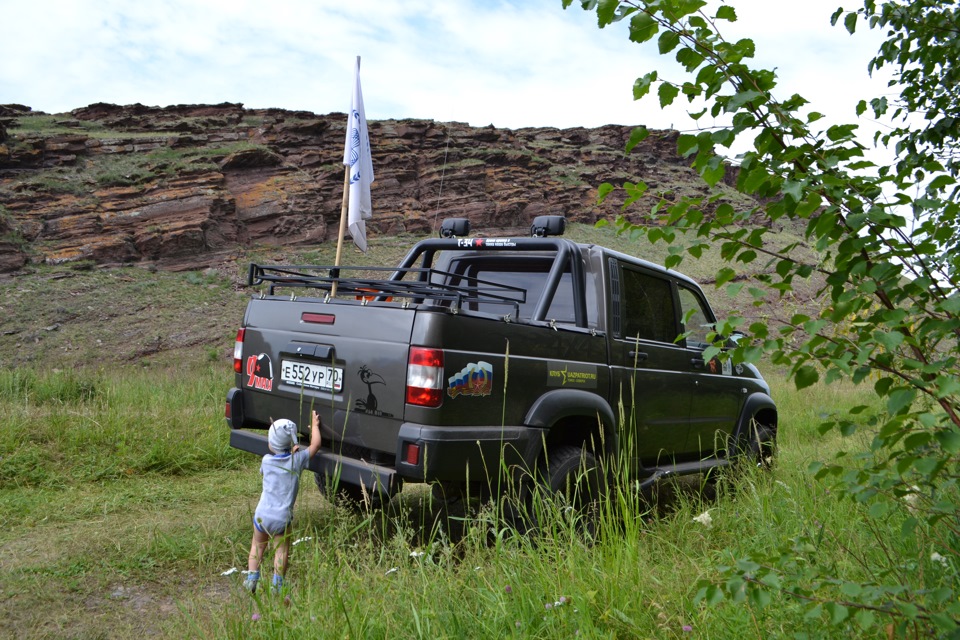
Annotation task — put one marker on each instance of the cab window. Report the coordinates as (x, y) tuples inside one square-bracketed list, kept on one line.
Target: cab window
[(647, 310), (697, 322)]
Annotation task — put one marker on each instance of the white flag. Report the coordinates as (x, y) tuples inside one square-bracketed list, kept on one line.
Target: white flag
[(356, 155)]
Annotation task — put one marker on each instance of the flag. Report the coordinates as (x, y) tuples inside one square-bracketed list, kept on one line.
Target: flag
[(356, 156)]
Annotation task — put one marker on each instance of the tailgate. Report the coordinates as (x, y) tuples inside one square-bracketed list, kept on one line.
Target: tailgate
[(346, 360)]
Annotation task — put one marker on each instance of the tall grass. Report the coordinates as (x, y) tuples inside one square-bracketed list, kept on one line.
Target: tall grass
[(123, 483), (63, 427)]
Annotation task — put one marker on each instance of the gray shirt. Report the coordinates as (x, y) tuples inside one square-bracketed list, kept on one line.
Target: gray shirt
[(281, 482)]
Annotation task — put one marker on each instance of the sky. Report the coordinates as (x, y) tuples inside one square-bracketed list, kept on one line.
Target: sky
[(509, 63)]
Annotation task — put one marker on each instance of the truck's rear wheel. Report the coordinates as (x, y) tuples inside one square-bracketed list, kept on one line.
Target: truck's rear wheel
[(349, 494)]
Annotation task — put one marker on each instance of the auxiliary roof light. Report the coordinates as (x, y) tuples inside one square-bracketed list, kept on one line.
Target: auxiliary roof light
[(544, 226), (454, 228)]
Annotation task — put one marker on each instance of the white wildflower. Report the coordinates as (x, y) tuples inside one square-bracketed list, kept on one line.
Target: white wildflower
[(299, 540), (229, 572), (704, 519), (417, 554), (936, 557)]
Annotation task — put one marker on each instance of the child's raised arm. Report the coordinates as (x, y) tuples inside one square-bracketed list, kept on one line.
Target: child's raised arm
[(314, 434)]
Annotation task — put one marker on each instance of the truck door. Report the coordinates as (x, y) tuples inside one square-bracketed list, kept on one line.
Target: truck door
[(649, 371), (717, 393)]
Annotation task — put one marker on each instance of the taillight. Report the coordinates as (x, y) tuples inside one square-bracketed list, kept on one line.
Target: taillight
[(425, 377), (238, 351)]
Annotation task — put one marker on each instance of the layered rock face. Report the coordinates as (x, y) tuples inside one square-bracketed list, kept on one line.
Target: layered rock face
[(183, 186)]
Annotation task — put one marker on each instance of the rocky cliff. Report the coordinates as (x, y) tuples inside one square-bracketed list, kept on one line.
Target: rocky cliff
[(183, 186)]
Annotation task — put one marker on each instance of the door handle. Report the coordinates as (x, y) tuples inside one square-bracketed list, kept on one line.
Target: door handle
[(697, 363), (638, 356)]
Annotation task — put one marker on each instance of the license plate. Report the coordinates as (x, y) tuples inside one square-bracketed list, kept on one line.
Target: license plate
[(311, 376)]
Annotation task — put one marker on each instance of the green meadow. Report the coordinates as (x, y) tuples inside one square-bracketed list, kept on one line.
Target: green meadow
[(125, 512)]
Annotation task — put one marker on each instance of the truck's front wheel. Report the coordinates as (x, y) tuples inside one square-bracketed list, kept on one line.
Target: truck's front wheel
[(573, 475)]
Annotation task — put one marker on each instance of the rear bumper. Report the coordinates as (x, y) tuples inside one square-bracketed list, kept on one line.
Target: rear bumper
[(374, 478), (448, 454), (458, 454)]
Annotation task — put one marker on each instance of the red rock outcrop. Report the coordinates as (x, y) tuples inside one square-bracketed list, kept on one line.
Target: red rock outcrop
[(181, 186)]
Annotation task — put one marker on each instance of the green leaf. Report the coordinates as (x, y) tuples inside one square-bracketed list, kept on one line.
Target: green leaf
[(939, 183), (793, 189), (878, 510), (641, 86), (949, 440), (946, 623), (837, 612), (643, 28), (667, 93), (726, 12), (810, 204), (668, 41), (850, 22), (740, 99), (760, 597), (687, 144), (805, 376), (889, 340), (634, 192), (638, 135), (606, 12), (882, 386), (712, 595), (725, 275), (690, 60), (900, 400), (603, 191), (714, 171)]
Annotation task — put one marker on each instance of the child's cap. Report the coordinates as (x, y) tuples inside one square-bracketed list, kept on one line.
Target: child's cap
[(282, 435)]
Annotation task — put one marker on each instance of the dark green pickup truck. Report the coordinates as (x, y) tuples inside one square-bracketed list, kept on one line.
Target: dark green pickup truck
[(479, 355)]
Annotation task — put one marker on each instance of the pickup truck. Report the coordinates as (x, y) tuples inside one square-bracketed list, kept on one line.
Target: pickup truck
[(481, 358)]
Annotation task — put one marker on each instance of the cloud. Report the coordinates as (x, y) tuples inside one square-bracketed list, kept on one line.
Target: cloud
[(511, 64)]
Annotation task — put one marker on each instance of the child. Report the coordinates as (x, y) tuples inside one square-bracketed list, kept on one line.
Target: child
[(281, 481)]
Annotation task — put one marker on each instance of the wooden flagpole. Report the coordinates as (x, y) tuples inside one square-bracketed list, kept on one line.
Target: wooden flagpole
[(344, 205), (343, 226)]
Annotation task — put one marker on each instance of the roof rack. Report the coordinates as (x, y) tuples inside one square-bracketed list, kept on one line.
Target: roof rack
[(427, 285)]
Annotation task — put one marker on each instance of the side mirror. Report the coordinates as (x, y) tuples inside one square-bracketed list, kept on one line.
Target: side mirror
[(454, 228)]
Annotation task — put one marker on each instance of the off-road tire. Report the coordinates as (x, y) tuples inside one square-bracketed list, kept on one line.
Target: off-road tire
[(350, 495)]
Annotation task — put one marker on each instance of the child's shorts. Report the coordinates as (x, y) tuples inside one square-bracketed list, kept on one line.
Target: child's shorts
[(271, 528)]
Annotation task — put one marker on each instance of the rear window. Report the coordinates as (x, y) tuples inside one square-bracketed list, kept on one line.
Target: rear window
[(527, 273)]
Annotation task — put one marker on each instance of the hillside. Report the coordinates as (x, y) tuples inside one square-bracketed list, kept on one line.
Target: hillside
[(183, 187), (125, 231)]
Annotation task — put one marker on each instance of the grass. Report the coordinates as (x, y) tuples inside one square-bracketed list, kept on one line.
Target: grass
[(123, 503), (119, 169), (122, 506)]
